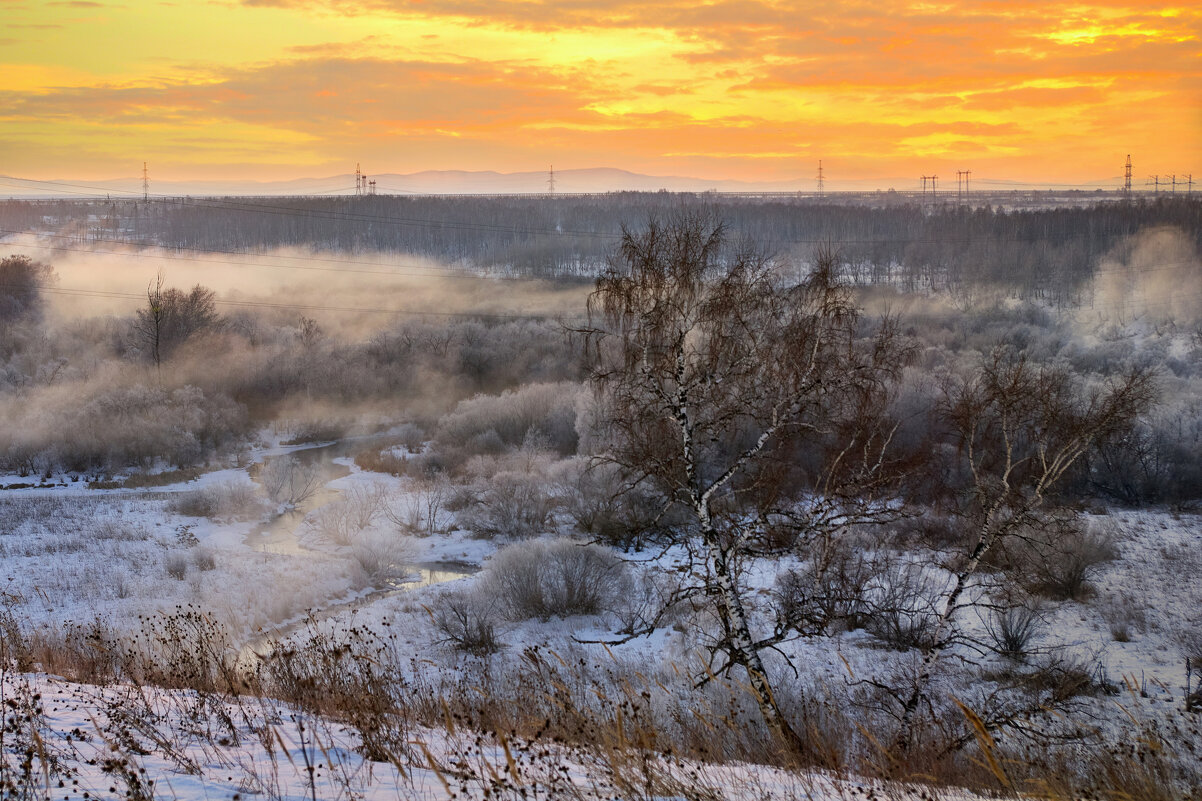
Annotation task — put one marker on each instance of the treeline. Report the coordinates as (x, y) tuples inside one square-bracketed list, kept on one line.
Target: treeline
[(1047, 254)]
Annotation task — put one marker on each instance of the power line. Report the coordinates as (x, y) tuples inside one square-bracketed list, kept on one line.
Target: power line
[(166, 256), (343, 216), (166, 252), (100, 293), (434, 272)]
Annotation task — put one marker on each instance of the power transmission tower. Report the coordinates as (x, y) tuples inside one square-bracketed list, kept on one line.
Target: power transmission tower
[(551, 180), (962, 185), (371, 187), (1173, 178), (358, 180), (932, 179), (821, 180), (1155, 182), (1127, 177), (1189, 184), (145, 183)]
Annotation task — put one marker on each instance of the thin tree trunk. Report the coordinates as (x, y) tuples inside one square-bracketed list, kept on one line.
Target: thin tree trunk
[(938, 644), (743, 651)]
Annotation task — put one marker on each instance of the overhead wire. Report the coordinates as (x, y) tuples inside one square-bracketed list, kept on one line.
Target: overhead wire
[(111, 294)]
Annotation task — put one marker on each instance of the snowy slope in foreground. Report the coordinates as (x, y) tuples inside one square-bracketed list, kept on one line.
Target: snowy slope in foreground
[(126, 742)]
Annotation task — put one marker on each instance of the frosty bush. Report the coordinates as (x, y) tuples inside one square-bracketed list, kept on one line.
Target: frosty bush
[(288, 481), (827, 590), (416, 511), (608, 505), (554, 579), (224, 502), (177, 566), (1063, 567), (467, 620), (511, 504), (204, 560), (1012, 631), (507, 419), (382, 557), (900, 608), (107, 428), (341, 520)]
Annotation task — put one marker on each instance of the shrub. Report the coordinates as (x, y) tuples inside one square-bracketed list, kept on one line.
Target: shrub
[(303, 432), (603, 504), (554, 579), (900, 609), (1124, 615), (496, 422), (511, 504), (177, 566), (204, 560), (645, 601), (97, 428), (224, 502), (828, 589), (466, 620), (381, 461), (382, 557), (1011, 631), (417, 511), (288, 481), (1063, 568), (341, 520)]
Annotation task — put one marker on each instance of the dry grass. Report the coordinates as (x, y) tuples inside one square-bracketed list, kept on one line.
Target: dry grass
[(626, 733)]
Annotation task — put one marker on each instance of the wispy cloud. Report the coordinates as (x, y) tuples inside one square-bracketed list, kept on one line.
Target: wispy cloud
[(732, 87)]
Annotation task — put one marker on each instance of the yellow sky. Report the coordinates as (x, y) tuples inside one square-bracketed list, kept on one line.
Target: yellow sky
[(746, 89)]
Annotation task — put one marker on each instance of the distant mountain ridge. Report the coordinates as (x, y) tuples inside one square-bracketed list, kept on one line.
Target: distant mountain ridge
[(465, 182)]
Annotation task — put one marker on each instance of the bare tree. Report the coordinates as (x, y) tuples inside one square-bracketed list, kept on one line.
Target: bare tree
[(22, 281), (152, 319), (731, 392), (1019, 429), (170, 317)]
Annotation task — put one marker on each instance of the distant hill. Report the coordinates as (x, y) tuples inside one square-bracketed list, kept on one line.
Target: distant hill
[(463, 182)]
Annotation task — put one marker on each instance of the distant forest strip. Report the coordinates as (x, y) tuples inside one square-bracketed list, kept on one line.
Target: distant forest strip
[(1048, 254)]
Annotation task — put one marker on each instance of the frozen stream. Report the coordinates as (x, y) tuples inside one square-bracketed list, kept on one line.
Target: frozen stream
[(279, 535)]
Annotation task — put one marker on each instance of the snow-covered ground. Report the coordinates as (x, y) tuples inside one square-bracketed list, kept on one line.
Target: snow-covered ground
[(112, 742), (72, 555)]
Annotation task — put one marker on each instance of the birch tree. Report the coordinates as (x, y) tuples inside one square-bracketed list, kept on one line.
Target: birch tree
[(732, 390), (1019, 429)]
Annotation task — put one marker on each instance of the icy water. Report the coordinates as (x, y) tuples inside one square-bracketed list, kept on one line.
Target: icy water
[(279, 535)]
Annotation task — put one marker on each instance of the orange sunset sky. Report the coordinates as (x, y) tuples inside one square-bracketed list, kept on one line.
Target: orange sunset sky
[(741, 89)]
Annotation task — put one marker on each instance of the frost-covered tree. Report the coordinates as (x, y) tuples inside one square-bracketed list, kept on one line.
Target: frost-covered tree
[(171, 316), (1018, 429), (735, 393), (22, 281)]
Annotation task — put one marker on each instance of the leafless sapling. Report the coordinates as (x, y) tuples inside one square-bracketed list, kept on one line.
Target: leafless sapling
[(1019, 428)]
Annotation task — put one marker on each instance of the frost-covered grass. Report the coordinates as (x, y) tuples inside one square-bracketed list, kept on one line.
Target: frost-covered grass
[(121, 741)]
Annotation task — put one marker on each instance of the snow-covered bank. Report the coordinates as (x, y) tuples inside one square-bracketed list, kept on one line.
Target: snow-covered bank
[(122, 741)]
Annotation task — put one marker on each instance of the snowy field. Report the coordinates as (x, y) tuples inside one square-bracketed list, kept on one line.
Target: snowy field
[(273, 577)]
